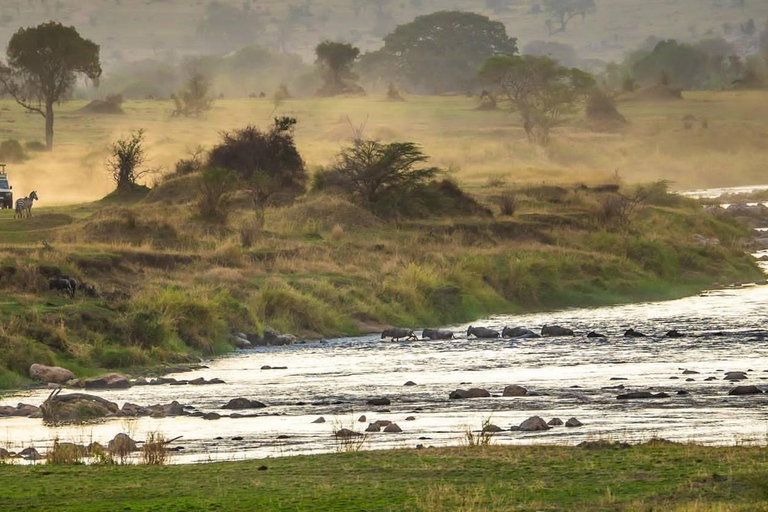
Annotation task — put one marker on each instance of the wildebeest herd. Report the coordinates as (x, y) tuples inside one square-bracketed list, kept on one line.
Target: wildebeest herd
[(398, 334)]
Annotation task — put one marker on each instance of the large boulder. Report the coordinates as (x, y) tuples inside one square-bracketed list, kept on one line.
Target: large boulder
[(392, 428), (76, 408), (533, 424), (121, 444), (735, 376), (51, 374), (243, 403), (515, 390), (573, 422), (240, 341), (469, 393), (745, 390), (111, 381)]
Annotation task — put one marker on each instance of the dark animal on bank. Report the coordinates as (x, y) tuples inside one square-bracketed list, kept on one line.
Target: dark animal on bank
[(518, 332), (482, 332), (24, 206), (556, 330), (674, 333), (88, 289), (271, 338), (64, 285), (437, 334), (631, 333), (594, 334), (398, 334)]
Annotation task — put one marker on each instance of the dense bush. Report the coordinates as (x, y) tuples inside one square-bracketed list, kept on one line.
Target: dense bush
[(11, 151), (266, 162)]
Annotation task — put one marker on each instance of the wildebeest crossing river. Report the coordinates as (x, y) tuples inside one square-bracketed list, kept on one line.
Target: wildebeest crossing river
[(567, 377)]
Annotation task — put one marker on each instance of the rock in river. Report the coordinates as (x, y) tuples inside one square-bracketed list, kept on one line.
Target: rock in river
[(639, 395), (515, 390), (745, 390), (111, 381), (53, 374), (393, 428), (555, 422), (533, 424), (76, 407), (573, 422), (469, 393), (243, 403), (379, 401)]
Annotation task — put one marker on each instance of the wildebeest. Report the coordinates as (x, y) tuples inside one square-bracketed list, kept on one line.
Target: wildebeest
[(64, 285), (398, 334), (674, 333), (556, 330), (88, 289), (482, 332), (594, 334), (274, 339), (631, 333), (518, 332), (437, 334)]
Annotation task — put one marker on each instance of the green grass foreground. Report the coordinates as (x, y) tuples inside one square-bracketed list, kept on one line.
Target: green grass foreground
[(657, 476)]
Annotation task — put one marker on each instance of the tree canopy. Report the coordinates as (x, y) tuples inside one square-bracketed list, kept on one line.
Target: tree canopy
[(540, 90), (43, 65), (335, 61), (562, 11), (685, 65), (438, 52)]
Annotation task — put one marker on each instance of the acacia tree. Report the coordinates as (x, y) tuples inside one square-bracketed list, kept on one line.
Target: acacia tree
[(195, 98), (335, 60), (540, 90), (563, 11), (43, 65)]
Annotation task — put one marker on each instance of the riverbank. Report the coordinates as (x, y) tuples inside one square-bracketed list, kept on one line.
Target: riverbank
[(656, 475), (166, 288)]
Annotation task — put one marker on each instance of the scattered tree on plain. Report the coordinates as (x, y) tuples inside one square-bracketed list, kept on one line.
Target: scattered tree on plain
[(540, 90), (43, 65), (563, 11), (195, 98), (438, 52), (335, 61)]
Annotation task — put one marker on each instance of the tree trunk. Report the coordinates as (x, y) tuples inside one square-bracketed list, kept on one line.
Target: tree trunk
[(49, 125)]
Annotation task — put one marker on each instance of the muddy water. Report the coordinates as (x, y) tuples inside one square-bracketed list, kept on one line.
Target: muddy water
[(334, 379)]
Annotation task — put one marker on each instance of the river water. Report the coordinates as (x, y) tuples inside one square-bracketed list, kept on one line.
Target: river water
[(567, 378)]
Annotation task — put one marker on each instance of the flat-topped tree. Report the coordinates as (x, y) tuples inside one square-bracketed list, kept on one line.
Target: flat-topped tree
[(43, 65)]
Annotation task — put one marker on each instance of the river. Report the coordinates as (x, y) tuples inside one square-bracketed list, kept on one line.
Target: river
[(567, 378)]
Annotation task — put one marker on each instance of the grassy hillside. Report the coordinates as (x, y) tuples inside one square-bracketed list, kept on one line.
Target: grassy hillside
[(653, 476), (471, 145), (172, 285)]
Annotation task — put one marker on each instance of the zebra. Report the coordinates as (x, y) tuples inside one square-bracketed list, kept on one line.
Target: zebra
[(24, 206)]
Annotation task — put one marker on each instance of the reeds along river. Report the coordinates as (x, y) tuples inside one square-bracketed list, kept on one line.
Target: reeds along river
[(566, 376)]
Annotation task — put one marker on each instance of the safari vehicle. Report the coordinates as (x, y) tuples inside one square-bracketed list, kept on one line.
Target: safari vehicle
[(6, 190)]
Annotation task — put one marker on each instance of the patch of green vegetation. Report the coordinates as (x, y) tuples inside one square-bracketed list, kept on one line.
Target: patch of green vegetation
[(653, 476)]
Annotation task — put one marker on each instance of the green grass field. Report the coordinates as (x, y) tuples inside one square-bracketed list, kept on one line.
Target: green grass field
[(649, 477)]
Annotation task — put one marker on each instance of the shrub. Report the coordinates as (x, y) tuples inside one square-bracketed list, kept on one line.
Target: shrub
[(266, 162), (128, 155), (120, 357), (385, 178), (507, 204), (64, 453), (11, 151), (192, 164), (146, 329), (155, 450), (250, 230), (337, 233), (214, 183), (34, 145)]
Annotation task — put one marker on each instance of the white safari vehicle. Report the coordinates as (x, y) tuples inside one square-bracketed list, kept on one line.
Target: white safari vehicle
[(6, 190)]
